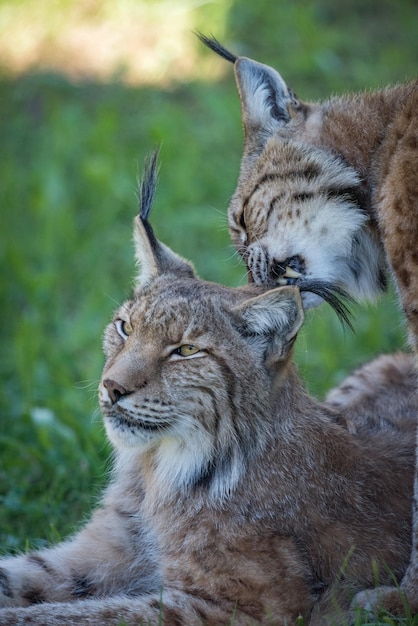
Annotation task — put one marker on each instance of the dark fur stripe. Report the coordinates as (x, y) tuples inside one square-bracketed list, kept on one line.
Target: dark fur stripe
[(38, 560), (303, 197), (273, 203), (5, 584), (352, 194), (202, 389), (173, 616), (230, 378), (33, 595), (82, 586), (310, 172)]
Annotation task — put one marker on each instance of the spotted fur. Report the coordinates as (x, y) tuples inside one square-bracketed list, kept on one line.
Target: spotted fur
[(236, 497), (330, 190), (364, 399)]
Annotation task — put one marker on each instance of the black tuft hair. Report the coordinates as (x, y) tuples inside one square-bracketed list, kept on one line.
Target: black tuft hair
[(338, 299), (146, 193), (215, 46), (148, 185)]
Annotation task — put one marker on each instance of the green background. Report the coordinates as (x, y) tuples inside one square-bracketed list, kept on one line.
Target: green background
[(71, 152)]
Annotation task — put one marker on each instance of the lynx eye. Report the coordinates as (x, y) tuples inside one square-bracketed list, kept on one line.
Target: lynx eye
[(186, 349), (124, 328)]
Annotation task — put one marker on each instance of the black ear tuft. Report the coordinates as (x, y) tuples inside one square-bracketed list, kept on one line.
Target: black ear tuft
[(153, 257), (148, 185), (215, 46), (338, 299)]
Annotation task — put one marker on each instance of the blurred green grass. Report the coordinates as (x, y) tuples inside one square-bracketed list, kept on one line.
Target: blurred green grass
[(70, 157)]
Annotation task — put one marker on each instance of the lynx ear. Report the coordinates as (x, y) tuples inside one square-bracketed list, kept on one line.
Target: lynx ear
[(153, 257), (271, 321), (266, 100)]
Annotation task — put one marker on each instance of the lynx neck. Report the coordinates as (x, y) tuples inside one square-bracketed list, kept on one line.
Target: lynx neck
[(356, 126)]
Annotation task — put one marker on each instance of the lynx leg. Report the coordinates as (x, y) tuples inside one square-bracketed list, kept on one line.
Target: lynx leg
[(171, 609), (398, 220)]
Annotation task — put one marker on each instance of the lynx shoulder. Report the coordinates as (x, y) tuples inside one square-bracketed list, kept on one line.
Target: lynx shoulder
[(236, 496)]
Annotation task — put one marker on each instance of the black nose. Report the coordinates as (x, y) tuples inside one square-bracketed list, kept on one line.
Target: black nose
[(114, 390), (279, 269), (296, 263)]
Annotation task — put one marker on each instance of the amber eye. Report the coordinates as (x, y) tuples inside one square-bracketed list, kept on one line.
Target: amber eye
[(124, 328), (187, 349)]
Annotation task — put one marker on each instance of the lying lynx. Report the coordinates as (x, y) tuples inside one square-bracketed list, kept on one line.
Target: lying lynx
[(329, 190), (236, 497)]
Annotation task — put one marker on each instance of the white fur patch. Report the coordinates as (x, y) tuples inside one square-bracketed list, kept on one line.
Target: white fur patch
[(326, 230), (257, 82)]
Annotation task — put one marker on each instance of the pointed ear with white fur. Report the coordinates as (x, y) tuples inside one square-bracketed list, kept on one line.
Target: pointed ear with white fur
[(271, 321), (153, 257), (266, 100)]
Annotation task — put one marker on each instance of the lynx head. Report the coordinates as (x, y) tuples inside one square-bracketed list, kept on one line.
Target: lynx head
[(298, 210), (190, 365)]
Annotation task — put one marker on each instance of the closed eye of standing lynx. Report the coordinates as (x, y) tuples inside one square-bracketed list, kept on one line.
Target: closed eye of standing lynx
[(236, 498), (329, 190)]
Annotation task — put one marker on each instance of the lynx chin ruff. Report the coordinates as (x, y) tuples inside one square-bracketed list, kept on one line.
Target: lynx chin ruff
[(329, 190), (236, 497)]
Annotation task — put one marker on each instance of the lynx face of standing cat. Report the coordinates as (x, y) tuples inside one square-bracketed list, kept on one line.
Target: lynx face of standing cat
[(236, 497), (327, 190)]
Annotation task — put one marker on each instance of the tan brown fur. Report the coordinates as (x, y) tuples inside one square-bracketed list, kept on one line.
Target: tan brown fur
[(236, 497), (329, 190), (380, 395)]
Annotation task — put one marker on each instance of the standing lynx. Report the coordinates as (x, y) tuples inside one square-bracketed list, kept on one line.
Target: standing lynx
[(236, 497), (329, 190)]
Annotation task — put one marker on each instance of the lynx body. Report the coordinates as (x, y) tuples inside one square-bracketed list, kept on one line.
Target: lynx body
[(236, 497), (329, 190)]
